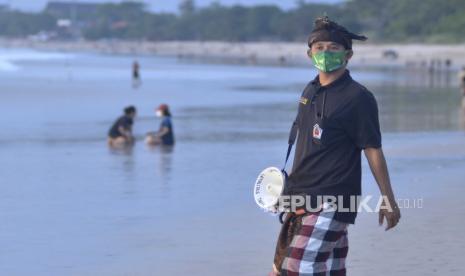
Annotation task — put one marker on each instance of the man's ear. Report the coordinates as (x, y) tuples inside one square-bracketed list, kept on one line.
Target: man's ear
[(349, 55), (309, 52)]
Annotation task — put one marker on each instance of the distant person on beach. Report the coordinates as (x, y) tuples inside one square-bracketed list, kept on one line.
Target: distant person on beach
[(136, 74), (337, 119), (120, 133), (462, 80), (462, 88), (165, 135)]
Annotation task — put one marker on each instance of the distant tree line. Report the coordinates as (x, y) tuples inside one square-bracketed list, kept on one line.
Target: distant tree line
[(381, 20)]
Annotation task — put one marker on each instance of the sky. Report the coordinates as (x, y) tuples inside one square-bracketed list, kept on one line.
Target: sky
[(158, 5)]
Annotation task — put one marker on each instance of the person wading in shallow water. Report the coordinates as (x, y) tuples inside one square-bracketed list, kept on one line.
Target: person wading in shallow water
[(337, 120), (165, 135), (120, 133), (136, 74)]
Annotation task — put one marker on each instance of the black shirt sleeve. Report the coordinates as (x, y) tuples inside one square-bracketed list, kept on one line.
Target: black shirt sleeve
[(364, 128)]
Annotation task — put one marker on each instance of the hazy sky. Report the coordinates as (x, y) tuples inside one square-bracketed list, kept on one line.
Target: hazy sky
[(158, 5)]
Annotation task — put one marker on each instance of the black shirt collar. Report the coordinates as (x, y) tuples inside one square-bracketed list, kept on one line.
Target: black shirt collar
[(341, 81)]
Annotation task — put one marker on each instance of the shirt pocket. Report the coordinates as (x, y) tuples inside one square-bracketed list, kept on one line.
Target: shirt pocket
[(332, 133)]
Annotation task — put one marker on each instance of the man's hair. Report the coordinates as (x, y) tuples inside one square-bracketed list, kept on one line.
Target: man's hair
[(129, 110), (327, 30)]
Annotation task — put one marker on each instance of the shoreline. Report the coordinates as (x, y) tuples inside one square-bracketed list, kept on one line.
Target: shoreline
[(404, 56)]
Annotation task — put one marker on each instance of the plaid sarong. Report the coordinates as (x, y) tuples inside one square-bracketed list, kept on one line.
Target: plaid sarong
[(312, 244)]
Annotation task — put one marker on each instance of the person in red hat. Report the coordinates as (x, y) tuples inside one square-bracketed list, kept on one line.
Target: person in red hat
[(165, 135)]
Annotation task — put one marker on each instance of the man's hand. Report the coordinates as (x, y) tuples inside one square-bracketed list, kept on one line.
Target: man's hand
[(379, 169), (392, 216)]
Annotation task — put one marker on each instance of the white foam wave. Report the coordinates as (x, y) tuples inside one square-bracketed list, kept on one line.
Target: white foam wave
[(8, 66), (9, 57)]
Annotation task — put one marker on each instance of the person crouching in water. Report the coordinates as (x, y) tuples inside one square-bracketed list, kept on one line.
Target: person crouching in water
[(120, 134), (165, 135)]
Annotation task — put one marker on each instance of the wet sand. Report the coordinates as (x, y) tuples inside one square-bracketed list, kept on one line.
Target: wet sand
[(428, 240), (71, 206)]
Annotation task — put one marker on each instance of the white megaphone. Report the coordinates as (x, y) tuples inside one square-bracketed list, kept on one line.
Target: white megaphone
[(271, 181), (268, 188)]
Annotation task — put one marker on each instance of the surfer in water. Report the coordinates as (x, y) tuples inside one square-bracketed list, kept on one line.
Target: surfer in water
[(165, 135), (120, 134)]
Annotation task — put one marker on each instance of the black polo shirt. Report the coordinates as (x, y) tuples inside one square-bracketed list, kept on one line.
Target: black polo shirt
[(346, 123)]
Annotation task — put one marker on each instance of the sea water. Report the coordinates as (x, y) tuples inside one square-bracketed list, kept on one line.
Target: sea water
[(69, 205)]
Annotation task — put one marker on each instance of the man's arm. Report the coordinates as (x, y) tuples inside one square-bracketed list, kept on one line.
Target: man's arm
[(379, 169)]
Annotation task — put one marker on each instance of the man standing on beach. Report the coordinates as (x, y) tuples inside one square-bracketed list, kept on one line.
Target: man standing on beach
[(462, 80), (136, 74), (337, 119)]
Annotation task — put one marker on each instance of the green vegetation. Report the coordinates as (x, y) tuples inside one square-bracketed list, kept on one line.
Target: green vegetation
[(15, 23), (381, 20)]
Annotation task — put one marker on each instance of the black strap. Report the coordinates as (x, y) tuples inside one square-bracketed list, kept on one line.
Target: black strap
[(281, 217), (292, 137)]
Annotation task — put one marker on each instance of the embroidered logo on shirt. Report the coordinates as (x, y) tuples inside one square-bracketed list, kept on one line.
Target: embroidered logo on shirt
[(303, 100), (317, 131)]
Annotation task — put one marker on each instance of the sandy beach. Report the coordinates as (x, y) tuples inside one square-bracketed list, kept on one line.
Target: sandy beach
[(71, 206), (412, 56)]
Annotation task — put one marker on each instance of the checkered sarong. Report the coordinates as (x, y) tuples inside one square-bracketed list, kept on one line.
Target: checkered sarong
[(312, 244)]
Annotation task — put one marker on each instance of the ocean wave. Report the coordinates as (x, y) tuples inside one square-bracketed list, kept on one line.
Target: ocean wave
[(8, 57), (8, 66)]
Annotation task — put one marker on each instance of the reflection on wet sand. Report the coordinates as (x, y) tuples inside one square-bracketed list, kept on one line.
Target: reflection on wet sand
[(402, 109), (125, 160), (165, 162), (127, 150)]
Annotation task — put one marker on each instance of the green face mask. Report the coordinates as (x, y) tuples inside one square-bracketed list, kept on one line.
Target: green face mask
[(329, 61)]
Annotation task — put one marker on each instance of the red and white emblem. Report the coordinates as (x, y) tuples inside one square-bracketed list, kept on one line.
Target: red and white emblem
[(317, 131)]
